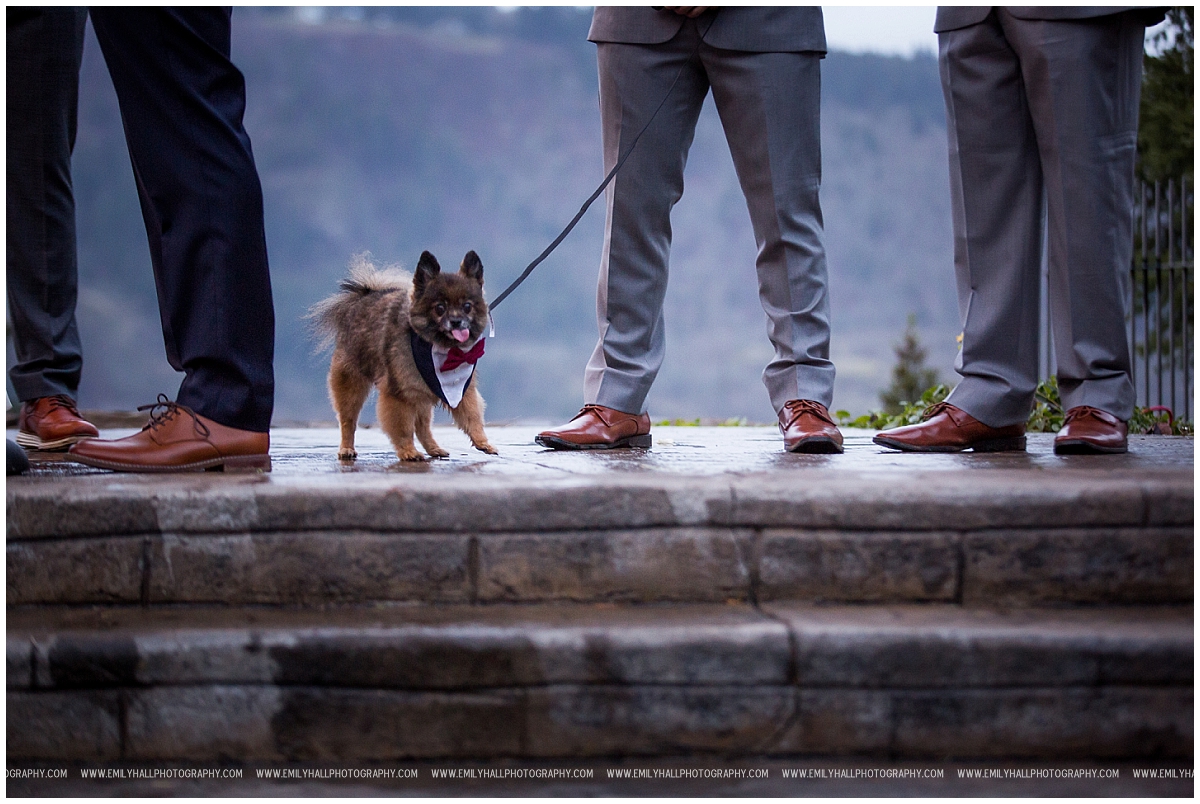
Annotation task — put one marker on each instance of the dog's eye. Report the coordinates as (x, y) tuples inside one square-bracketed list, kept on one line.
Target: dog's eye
[(466, 307), (440, 309)]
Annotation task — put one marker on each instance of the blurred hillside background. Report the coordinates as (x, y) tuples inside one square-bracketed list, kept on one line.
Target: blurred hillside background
[(394, 130)]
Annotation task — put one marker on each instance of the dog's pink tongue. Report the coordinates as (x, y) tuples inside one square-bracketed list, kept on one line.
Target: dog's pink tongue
[(461, 335)]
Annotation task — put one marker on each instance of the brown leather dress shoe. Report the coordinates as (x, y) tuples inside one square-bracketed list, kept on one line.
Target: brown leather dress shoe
[(52, 423), (1090, 430), (598, 427), (948, 429), (807, 428), (178, 440)]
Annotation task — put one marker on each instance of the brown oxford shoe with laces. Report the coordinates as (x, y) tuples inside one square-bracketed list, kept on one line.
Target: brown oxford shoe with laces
[(807, 428), (947, 429), (1091, 430), (178, 440), (598, 427), (52, 423)]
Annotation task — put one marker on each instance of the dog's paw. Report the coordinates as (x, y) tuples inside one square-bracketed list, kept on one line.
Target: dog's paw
[(484, 446), (347, 455), (410, 455), (438, 452)]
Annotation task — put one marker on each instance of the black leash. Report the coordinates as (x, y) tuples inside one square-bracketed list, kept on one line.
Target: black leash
[(607, 179)]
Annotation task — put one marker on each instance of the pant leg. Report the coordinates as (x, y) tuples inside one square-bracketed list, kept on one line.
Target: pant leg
[(634, 79), (44, 50), (996, 204), (1083, 80), (182, 102), (770, 107)]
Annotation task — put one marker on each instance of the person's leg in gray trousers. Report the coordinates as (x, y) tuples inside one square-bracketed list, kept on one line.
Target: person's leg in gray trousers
[(1042, 120), (769, 104)]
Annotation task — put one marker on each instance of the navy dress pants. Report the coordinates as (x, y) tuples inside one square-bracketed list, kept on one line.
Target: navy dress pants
[(44, 46), (182, 101)]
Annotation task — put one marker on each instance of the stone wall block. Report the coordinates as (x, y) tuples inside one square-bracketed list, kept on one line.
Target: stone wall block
[(1115, 565), (83, 725), (340, 725), (606, 720), (838, 721), (1047, 723), (107, 570), (1165, 661), (18, 664), (858, 566), (203, 724), (309, 568), (1169, 501), (690, 564)]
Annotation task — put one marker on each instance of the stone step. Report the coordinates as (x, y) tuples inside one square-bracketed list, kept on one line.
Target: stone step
[(1011, 536), (569, 680)]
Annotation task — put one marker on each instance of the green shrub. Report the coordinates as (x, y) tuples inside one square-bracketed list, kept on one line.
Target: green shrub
[(1046, 417), (910, 412)]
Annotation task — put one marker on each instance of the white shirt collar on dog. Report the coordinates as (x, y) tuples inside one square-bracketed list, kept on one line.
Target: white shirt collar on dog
[(453, 382)]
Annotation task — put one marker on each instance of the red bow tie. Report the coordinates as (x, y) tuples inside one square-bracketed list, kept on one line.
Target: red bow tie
[(456, 357)]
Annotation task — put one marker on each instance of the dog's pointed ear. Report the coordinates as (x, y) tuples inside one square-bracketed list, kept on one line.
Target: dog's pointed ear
[(472, 267), (427, 269)]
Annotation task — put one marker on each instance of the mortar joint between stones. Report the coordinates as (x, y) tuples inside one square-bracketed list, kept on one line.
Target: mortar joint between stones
[(473, 549), (147, 552)]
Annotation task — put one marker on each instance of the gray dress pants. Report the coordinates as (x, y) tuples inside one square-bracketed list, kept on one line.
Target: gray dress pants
[(769, 104), (1042, 125)]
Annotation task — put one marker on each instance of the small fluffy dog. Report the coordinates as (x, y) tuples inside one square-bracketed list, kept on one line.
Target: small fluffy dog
[(416, 338)]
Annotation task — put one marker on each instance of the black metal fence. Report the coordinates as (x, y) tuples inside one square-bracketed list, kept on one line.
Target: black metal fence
[(1163, 277), (1162, 288)]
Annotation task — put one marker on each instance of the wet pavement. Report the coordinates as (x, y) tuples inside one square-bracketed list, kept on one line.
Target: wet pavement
[(682, 451)]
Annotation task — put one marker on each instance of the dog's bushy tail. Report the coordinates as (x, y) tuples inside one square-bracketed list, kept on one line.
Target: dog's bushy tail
[(329, 315)]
